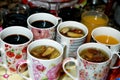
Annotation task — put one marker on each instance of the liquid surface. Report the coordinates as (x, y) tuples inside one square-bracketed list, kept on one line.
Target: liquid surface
[(94, 20), (106, 39), (45, 52), (94, 55), (42, 24), (16, 39), (72, 32)]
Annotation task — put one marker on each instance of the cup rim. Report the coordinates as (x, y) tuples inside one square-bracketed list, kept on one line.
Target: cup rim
[(93, 43), (104, 27), (42, 13), (86, 33), (17, 27), (28, 50)]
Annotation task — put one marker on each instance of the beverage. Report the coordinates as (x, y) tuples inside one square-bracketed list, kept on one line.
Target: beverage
[(45, 52), (16, 39), (42, 24), (93, 20), (106, 39), (94, 55), (72, 32)]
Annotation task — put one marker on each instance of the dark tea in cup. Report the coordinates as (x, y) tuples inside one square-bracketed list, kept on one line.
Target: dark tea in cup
[(16, 39), (42, 24)]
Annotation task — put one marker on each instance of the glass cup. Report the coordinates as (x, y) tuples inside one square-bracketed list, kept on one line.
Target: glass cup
[(93, 19)]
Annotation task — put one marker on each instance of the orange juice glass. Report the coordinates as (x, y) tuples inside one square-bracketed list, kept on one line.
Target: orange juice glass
[(93, 19)]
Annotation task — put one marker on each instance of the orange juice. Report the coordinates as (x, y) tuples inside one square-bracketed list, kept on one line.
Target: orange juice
[(105, 39), (93, 21)]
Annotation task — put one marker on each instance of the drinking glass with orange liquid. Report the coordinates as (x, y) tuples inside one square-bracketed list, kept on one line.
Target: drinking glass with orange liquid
[(93, 19)]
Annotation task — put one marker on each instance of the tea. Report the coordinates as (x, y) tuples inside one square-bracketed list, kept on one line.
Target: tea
[(45, 52), (94, 55), (16, 39), (42, 24), (106, 39), (72, 32)]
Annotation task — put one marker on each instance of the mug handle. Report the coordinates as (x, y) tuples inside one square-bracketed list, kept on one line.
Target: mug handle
[(18, 68), (67, 60), (59, 20), (66, 50), (3, 61), (116, 53)]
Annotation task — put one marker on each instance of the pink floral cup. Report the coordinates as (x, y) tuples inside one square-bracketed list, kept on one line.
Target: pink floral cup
[(13, 46), (41, 69), (88, 70), (47, 28)]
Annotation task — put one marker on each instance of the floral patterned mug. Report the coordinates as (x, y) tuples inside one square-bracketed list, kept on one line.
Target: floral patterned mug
[(43, 69), (11, 52), (88, 70), (46, 26)]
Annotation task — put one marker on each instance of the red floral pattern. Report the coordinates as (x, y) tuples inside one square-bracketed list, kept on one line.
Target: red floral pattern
[(14, 55)]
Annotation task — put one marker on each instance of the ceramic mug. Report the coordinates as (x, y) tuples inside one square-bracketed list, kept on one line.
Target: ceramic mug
[(71, 43), (47, 28), (13, 46), (89, 70), (41, 69), (108, 36)]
